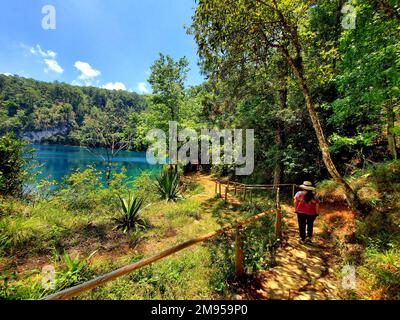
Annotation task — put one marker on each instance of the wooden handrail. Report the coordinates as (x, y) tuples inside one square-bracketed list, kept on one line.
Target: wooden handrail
[(245, 187), (255, 187), (75, 291)]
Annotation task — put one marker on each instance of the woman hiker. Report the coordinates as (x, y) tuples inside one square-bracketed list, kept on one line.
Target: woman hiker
[(307, 208)]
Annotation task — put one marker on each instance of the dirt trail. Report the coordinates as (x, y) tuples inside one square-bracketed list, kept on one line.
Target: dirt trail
[(303, 271)]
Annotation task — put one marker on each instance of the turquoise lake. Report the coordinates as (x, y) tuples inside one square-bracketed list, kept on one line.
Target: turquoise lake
[(56, 161)]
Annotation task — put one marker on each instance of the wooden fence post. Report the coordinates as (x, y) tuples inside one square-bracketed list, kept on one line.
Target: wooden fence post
[(226, 192), (216, 186), (293, 189), (220, 192), (278, 222), (239, 256), (245, 191), (235, 188)]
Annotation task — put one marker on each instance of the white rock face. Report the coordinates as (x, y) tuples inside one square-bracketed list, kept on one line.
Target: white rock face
[(38, 136)]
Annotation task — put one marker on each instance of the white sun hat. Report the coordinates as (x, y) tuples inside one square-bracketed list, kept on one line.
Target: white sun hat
[(307, 185)]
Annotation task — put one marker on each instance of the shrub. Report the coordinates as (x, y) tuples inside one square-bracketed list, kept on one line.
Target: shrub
[(12, 164), (222, 259), (260, 244), (130, 218), (144, 185), (386, 175), (382, 270), (331, 191), (76, 272), (79, 189)]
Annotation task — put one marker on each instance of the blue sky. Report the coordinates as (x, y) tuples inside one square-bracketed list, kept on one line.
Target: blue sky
[(105, 43)]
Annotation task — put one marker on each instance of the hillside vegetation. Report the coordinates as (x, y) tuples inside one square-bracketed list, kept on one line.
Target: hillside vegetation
[(371, 242), (28, 106)]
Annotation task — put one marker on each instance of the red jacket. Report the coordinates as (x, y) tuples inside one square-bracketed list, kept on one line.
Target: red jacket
[(304, 207)]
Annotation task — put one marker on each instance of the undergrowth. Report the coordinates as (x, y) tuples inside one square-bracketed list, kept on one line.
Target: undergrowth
[(377, 232)]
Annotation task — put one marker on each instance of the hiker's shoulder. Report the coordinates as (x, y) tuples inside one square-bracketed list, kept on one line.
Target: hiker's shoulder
[(299, 194)]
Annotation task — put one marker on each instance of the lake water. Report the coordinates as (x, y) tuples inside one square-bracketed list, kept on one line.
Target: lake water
[(58, 160)]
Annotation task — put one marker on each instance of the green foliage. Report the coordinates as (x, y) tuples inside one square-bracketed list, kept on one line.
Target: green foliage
[(170, 100), (144, 185), (78, 188), (259, 241), (12, 287), (367, 80), (167, 79), (84, 190), (163, 279), (193, 188), (12, 165), (169, 185), (76, 271), (353, 77), (222, 258), (182, 276), (32, 230), (130, 218), (387, 175), (186, 209), (107, 129), (328, 188), (381, 270), (28, 106)]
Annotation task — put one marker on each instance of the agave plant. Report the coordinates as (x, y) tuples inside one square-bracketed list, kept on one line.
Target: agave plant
[(168, 185), (130, 218)]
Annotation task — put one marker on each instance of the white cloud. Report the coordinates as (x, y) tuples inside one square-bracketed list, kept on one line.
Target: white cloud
[(142, 88), (6, 74), (115, 86), (53, 65), (48, 58), (37, 51), (87, 72)]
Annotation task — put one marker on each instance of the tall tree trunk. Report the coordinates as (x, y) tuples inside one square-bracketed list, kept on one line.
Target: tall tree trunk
[(351, 197), (390, 116), (278, 164), (279, 131)]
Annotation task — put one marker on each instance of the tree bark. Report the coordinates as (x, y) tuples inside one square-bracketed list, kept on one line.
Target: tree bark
[(279, 131), (390, 116)]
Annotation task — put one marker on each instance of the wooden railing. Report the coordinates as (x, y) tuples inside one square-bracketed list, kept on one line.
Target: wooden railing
[(239, 257), (235, 186)]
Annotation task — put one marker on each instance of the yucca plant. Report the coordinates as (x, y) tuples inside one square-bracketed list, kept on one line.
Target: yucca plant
[(168, 185), (130, 218)]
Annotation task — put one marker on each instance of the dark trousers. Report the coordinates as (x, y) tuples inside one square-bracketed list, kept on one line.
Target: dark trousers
[(305, 220)]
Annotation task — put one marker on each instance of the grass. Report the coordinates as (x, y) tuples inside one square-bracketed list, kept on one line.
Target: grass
[(182, 276), (40, 229)]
